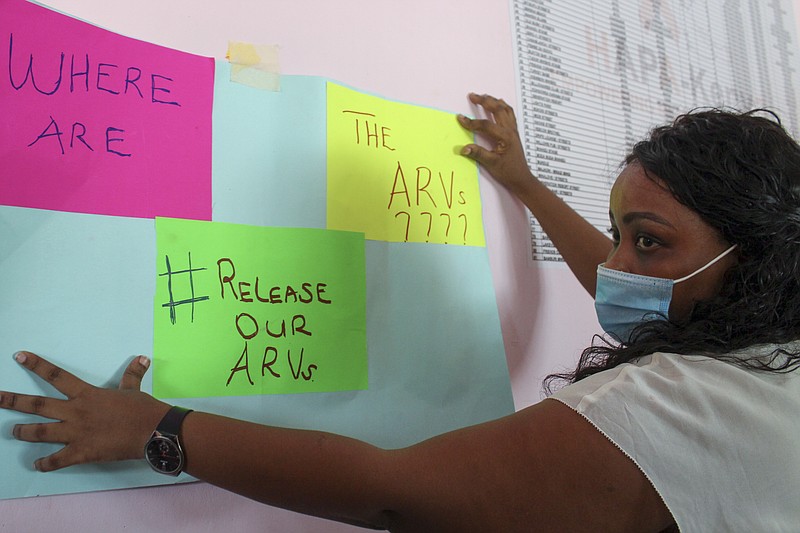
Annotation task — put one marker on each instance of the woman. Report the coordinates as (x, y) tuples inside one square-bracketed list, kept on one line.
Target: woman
[(642, 441)]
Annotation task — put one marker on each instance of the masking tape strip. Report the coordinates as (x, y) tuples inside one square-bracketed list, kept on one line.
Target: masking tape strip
[(254, 65)]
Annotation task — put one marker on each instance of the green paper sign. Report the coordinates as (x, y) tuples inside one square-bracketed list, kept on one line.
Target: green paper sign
[(243, 310)]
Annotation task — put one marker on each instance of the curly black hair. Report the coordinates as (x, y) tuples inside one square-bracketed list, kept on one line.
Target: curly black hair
[(740, 171)]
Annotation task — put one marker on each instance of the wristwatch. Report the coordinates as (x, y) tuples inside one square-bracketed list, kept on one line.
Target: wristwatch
[(163, 451)]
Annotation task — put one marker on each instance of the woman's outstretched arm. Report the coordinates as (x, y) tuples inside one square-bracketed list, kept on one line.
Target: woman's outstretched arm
[(544, 468)]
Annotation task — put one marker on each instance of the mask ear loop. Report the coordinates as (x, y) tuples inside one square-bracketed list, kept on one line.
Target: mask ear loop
[(709, 264)]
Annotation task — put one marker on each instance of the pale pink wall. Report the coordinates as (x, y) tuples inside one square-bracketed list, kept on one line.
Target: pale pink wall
[(422, 51)]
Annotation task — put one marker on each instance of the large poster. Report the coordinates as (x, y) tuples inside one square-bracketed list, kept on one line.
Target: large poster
[(150, 204)]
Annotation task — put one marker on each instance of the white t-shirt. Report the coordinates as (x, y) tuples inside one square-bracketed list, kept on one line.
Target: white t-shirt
[(719, 443)]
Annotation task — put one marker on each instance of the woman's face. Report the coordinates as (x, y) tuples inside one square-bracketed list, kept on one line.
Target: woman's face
[(655, 235)]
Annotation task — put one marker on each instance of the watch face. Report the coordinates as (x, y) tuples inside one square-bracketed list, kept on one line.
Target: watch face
[(163, 455)]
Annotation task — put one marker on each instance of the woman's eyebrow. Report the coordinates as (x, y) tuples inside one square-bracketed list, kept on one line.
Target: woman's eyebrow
[(646, 215)]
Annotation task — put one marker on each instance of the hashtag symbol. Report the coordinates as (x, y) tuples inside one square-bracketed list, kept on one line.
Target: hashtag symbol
[(172, 303)]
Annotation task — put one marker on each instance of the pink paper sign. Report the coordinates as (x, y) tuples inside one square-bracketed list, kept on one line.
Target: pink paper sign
[(95, 122)]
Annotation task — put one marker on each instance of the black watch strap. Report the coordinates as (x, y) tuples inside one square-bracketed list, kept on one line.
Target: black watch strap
[(171, 423)]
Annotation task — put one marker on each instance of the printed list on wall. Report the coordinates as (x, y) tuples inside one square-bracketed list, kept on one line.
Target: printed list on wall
[(594, 76)]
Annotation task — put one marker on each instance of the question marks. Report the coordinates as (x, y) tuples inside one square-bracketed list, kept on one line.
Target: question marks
[(429, 224), (462, 215), (408, 221), (447, 229)]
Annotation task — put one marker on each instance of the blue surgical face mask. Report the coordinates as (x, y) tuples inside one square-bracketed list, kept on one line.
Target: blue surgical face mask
[(624, 300)]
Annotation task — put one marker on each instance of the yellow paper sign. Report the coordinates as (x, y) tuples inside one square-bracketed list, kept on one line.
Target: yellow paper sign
[(394, 172)]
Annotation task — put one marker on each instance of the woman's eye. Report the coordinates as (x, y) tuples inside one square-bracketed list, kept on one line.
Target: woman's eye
[(612, 231), (645, 242)]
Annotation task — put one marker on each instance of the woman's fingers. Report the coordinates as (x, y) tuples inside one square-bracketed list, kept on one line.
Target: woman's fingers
[(134, 373), (41, 432), (76, 454), (34, 405), (64, 382), (502, 112), (49, 432), (501, 130), (504, 159), (484, 127), (61, 459), (481, 155), (94, 424)]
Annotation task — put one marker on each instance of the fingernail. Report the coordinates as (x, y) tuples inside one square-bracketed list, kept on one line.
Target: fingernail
[(20, 357), (466, 150), (144, 361)]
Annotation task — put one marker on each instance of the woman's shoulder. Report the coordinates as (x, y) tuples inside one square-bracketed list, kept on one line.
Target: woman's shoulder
[(757, 365), (694, 423)]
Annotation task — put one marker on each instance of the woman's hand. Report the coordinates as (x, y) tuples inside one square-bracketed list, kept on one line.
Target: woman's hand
[(581, 245), (506, 161), (94, 424)]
